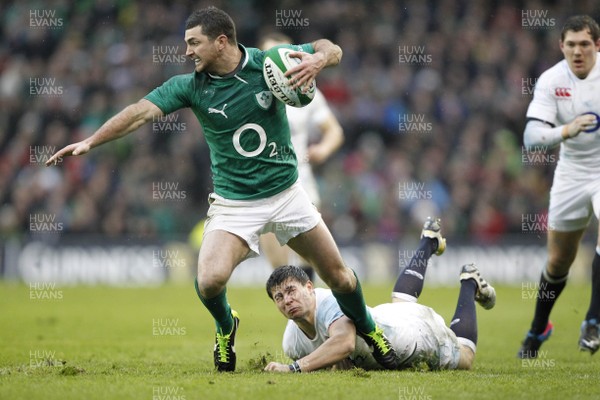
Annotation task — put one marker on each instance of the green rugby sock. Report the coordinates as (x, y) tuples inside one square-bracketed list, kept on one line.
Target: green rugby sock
[(219, 308), (353, 305)]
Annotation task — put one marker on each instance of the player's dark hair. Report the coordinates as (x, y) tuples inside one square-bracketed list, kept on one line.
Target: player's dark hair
[(282, 274), (579, 23), (213, 22)]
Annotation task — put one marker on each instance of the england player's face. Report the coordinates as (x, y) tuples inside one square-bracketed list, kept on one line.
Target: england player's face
[(580, 52), (293, 299), (200, 49)]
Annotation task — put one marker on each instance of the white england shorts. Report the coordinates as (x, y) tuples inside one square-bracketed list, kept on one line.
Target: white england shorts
[(286, 214), (573, 200), (418, 334)]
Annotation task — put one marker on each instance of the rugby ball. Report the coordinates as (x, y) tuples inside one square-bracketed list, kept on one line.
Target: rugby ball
[(276, 63)]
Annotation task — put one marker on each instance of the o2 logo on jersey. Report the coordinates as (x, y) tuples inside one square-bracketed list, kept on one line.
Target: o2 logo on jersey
[(262, 135), (562, 92)]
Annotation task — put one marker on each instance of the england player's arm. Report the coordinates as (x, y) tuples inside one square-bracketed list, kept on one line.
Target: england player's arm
[(326, 54), (336, 349), (332, 137), (332, 134), (123, 123), (542, 130), (540, 133), (333, 352)]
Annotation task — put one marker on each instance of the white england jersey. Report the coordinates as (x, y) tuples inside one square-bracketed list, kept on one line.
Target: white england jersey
[(416, 332), (302, 122), (560, 97), (295, 343)]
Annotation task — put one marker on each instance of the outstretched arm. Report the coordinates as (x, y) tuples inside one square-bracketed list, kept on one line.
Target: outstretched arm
[(126, 121), (341, 342), (326, 54)]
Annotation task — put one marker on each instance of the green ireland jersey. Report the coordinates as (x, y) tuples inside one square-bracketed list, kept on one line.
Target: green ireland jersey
[(245, 126)]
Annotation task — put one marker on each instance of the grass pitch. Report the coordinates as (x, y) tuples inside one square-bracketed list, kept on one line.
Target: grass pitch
[(156, 343)]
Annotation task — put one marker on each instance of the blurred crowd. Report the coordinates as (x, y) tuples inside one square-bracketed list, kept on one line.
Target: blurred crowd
[(431, 95)]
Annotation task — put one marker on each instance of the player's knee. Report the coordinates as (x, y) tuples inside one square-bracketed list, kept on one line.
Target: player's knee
[(209, 289), (210, 284), (559, 263), (467, 357)]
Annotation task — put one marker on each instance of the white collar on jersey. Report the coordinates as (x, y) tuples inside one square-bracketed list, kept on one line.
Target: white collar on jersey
[(237, 69)]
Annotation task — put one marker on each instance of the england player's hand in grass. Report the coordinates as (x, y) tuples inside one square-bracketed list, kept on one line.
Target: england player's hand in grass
[(277, 367)]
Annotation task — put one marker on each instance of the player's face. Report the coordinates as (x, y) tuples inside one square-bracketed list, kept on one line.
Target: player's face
[(580, 52), (200, 49), (293, 299)]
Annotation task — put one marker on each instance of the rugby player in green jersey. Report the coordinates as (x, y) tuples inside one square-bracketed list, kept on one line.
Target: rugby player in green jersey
[(254, 171)]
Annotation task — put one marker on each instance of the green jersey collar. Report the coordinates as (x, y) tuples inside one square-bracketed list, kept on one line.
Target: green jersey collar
[(237, 69)]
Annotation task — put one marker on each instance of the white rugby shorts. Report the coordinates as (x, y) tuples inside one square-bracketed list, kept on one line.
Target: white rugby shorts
[(418, 333), (286, 214), (573, 199)]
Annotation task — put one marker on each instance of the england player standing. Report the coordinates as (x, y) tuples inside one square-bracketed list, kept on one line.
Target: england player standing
[(318, 117), (565, 110), (254, 189)]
